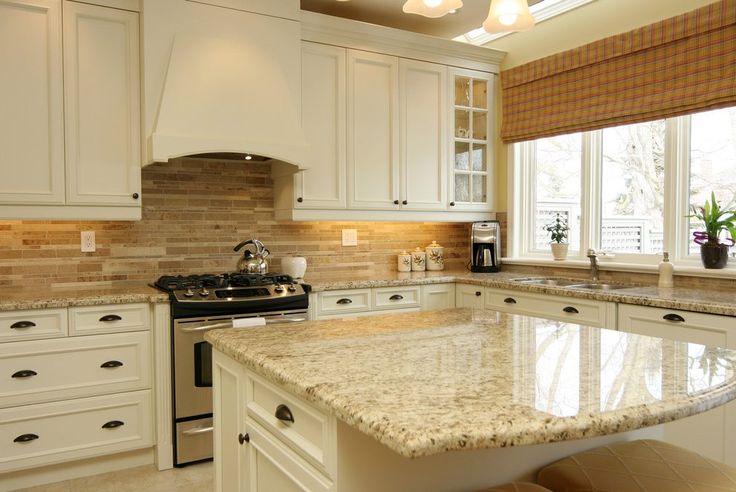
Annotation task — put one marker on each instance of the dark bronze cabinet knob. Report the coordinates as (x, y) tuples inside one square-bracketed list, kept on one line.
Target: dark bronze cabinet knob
[(478, 293), (300, 199), (396, 202), (135, 196), (243, 438), (405, 202), (452, 204)]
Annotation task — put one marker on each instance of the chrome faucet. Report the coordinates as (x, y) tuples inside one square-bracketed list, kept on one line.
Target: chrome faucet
[(593, 256)]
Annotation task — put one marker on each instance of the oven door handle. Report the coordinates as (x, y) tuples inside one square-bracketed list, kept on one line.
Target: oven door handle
[(275, 321), (197, 430), (207, 327)]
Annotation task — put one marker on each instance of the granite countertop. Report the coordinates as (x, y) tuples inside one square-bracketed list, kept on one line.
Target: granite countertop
[(686, 299), (84, 295), (428, 382)]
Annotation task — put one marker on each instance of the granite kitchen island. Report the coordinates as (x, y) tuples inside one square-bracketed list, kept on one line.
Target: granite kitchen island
[(441, 400)]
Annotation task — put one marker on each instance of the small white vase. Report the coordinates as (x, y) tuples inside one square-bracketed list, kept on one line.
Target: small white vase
[(295, 266), (559, 251)]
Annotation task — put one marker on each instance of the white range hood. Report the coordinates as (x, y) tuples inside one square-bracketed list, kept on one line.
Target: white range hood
[(221, 80)]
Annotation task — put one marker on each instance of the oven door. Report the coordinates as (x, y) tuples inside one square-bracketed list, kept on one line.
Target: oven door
[(193, 361)]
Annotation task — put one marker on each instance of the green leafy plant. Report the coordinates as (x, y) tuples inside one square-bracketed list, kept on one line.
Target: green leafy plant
[(557, 229), (716, 220)]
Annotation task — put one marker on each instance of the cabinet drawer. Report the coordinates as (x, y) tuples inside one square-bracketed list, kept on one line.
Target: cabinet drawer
[(308, 434), (29, 325), (49, 433), (109, 319), (396, 298), (47, 370), (582, 311), (705, 329), (344, 301)]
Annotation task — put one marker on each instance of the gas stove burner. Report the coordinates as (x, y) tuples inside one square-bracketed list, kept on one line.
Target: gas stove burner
[(180, 282), (252, 280)]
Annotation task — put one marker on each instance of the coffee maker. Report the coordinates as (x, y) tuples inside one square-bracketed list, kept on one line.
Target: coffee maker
[(485, 246)]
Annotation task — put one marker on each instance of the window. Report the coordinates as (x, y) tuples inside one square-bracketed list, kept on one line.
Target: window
[(626, 190)]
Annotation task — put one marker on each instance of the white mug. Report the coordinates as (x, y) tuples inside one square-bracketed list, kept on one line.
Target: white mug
[(295, 266)]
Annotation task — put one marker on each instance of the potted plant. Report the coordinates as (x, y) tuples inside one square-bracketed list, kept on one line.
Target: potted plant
[(713, 252), (558, 235)]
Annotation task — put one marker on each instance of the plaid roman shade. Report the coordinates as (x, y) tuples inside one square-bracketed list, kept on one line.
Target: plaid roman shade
[(676, 66)]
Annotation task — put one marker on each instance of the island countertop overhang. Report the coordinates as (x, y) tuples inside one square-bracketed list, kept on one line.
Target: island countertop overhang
[(429, 382)]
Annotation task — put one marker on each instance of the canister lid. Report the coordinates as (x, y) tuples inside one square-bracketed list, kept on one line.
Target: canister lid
[(404, 253), (418, 250), (434, 245)]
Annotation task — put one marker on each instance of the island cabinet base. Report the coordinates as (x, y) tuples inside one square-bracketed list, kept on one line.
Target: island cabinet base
[(259, 449)]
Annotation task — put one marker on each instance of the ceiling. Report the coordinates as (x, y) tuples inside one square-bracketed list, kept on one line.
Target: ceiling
[(388, 13)]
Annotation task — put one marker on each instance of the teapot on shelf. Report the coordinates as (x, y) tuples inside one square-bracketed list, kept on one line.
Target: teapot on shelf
[(253, 262)]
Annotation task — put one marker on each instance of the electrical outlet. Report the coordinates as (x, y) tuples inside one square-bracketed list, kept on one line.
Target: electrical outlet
[(88, 242), (349, 237)]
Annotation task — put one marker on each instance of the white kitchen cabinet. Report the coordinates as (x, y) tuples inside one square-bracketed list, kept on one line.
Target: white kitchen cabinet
[(710, 433), (323, 183), (471, 152), (102, 106), (373, 131), (438, 296), (31, 120), (561, 308), (423, 123), (471, 296), (70, 128)]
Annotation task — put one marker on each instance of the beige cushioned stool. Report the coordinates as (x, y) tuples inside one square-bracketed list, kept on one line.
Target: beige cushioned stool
[(640, 466), (517, 487)]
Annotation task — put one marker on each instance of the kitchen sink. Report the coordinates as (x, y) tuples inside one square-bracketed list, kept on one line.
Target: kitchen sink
[(551, 281), (596, 286)]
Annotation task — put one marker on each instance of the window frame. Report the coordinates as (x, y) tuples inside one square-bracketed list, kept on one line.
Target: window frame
[(522, 203)]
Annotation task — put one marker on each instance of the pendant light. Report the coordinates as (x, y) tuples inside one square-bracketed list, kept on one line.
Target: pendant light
[(508, 16), (431, 8)]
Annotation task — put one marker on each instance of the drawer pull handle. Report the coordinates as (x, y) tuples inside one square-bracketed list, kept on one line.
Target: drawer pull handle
[(344, 300), (110, 317), (111, 364), (22, 324), (243, 438), (25, 438), (510, 300), (284, 414), (396, 297), (198, 430), (26, 373), (675, 318), (113, 424), (571, 310)]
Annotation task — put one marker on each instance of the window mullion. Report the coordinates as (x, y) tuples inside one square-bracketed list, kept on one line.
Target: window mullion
[(675, 163), (680, 230), (590, 220)]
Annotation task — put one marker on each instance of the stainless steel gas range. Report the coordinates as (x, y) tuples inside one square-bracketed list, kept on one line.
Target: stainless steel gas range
[(206, 302)]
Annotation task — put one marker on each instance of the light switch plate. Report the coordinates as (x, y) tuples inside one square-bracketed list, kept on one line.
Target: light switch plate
[(349, 237), (88, 242)]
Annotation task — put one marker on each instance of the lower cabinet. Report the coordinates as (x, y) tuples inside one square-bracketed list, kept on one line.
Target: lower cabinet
[(470, 296), (560, 308), (710, 433), (266, 440), (438, 296)]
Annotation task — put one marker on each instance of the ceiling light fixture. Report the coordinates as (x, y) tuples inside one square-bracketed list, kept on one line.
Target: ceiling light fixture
[(431, 8), (508, 16)]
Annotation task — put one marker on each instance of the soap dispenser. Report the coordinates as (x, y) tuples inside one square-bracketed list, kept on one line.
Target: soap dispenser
[(665, 271)]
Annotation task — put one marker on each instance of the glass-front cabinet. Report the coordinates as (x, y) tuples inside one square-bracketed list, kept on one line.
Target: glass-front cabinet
[(471, 148)]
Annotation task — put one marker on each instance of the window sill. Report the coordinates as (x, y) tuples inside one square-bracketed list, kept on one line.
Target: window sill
[(687, 270)]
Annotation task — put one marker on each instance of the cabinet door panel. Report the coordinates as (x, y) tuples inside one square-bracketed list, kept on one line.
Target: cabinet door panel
[(373, 123), (31, 114), (102, 103), (423, 125), (469, 296), (438, 296), (323, 119)]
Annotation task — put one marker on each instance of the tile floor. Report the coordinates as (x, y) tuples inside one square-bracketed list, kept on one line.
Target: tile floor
[(193, 478)]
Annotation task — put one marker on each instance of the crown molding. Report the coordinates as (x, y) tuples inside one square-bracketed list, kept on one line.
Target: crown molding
[(326, 29)]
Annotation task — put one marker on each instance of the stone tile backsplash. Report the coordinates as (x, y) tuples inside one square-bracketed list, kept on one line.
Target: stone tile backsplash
[(194, 212)]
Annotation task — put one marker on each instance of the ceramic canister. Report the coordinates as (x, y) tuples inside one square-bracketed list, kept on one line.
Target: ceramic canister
[(435, 256), (418, 260), (404, 262), (295, 266)]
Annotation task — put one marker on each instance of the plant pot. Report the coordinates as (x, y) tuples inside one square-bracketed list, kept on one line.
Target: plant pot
[(714, 255), (559, 251)]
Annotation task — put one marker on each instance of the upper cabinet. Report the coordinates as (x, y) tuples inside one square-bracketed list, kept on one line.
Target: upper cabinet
[(31, 97), (398, 127), (70, 134), (373, 131), (471, 140)]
